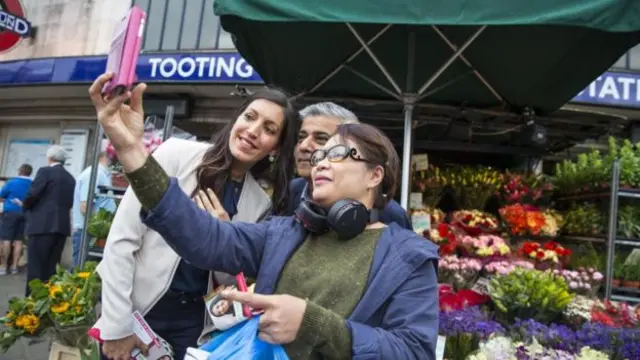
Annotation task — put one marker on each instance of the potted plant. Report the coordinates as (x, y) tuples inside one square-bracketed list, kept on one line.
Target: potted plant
[(99, 227), (618, 273), (631, 277)]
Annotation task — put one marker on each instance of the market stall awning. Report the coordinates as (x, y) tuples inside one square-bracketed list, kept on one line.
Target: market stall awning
[(532, 53), (514, 56)]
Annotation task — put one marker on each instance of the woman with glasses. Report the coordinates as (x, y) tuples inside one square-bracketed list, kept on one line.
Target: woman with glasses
[(333, 281)]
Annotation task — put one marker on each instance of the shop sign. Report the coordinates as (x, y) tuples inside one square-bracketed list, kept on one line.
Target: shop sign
[(223, 67), (612, 88), (13, 25)]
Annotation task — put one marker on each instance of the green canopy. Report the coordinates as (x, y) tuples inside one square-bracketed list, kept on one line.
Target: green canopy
[(506, 55)]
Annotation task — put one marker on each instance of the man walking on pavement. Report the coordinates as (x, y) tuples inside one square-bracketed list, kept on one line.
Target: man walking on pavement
[(12, 225), (319, 122), (47, 211), (80, 195)]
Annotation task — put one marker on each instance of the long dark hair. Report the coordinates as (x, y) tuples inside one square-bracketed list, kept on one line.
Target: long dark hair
[(215, 169)]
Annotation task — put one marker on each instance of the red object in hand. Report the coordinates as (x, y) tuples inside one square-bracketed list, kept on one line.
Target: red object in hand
[(242, 286)]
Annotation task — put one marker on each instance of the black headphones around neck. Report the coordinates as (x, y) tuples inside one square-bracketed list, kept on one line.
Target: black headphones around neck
[(347, 218)]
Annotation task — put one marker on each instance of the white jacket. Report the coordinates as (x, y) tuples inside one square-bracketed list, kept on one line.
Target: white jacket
[(138, 265)]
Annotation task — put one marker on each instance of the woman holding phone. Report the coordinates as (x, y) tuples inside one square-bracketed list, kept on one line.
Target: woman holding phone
[(139, 270), (334, 282)]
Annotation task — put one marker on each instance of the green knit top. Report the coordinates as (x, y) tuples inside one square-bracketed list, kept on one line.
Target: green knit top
[(329, 273)]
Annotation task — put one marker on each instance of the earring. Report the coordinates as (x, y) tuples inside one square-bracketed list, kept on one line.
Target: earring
[(271, 158)]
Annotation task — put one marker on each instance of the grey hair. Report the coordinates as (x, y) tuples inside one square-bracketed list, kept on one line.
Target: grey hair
[(57, 153), (330, 109)]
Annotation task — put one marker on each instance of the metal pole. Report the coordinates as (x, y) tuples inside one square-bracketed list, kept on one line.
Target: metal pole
[(167, 131), (613, 227), (407, 148), (84, 242)]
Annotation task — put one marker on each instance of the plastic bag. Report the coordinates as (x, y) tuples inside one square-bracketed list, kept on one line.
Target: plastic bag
[(241, 342)]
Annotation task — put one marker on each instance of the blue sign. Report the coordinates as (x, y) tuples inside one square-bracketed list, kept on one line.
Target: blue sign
[(612, 88), (217, 67)]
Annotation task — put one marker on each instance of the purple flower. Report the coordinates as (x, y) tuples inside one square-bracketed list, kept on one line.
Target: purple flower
[(471, 321)]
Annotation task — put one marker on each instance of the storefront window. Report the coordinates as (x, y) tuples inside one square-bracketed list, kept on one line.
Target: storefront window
[(634, 58), (209, 30), (181, 25), (193, 13), (173, 24)]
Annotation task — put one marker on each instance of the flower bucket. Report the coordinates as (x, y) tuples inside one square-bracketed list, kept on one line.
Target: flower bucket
[(548, 265), (73, 336)]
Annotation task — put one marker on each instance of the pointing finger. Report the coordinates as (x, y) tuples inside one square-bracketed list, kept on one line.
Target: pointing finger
[(256, 301)]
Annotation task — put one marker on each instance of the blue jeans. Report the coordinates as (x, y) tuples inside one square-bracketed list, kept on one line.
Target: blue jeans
[(76, 237)]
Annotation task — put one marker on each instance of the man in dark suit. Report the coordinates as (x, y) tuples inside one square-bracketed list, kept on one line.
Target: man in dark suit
[(47, 211), (319, 122)]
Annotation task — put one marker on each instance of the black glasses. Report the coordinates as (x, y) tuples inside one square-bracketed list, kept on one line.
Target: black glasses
[(336, 153)]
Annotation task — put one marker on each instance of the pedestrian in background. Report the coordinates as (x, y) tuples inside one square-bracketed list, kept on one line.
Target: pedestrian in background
[(80, 196), (47, 211), (12, 226)]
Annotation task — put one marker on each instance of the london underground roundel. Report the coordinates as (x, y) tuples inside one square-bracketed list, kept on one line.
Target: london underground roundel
[(13, 25)]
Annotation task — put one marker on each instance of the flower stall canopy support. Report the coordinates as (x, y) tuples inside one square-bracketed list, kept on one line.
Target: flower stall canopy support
[(503, 55), (99, 134)]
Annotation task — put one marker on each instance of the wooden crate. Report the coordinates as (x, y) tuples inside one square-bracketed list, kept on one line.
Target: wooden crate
[(61, 352)]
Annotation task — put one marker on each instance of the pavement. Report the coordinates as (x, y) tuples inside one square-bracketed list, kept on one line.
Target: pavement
[(24, 349)]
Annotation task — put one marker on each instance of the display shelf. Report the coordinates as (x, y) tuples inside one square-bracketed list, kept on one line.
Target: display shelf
[(604, 193), (593, 239), (613, 240)]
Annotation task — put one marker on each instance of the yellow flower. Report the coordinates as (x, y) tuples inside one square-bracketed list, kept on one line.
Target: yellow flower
[(10, 315), (74, 299), (84, 274), (28, 322), (60, 308), (54, 290)]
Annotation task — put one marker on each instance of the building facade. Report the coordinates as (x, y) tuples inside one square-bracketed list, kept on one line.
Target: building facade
[(51, 50)]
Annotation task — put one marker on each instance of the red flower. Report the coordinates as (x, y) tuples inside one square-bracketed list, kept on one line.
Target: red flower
[(450, 302), (551, 245), (443, 230), (540, 255), (472, 298)]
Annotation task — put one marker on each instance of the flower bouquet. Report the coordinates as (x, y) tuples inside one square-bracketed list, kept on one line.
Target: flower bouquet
[(487, 247), (519, 188), (454, 301), (551, 255), (472, 187), (553, 222), (464, 330), (578, 312), (430, 183), (459, 272), (65, 305), (522, 219), (615, 315), (503, 267), (445, 237), (582, 281), (529, 294), (475, 222), (504, 348)]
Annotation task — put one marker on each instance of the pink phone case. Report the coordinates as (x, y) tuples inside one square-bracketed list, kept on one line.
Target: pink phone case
[(125, 48)]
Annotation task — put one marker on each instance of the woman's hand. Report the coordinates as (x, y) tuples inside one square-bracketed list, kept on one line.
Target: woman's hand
[(282, 316), (208, 201), (121, 349), (123, 124)]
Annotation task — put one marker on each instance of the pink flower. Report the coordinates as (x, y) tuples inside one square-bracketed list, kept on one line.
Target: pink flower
[(597, 276)]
